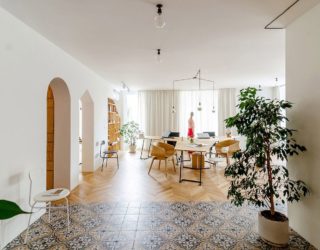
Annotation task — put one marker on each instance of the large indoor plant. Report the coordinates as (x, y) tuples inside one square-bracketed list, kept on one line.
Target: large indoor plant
[(257, 175), (130, 133), (9, 209)]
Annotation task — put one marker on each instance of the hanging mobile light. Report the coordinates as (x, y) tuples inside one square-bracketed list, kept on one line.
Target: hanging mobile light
[(173, 107), (199, 105), (213, 108)]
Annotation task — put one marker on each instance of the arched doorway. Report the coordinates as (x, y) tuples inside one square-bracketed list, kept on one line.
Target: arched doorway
[(86, 132), (58, 134)]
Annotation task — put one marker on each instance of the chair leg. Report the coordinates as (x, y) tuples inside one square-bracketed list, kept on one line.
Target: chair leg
[(102, 164), (159, 164), (49, 212), (165, 166), (26, 237), (68, 215), (117, 161), (151, 165), (174, 165)]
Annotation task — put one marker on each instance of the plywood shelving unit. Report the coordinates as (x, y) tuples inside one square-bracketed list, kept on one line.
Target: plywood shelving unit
[(114, 123)]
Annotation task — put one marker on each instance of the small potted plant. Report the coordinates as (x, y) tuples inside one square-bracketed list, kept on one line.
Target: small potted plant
[(130, 133), (255, 176)]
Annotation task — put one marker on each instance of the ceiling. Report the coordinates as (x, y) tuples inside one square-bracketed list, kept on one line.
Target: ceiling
[(118, 40)]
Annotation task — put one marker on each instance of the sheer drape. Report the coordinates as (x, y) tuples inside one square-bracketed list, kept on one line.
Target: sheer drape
[(155, 112), (226, 107)]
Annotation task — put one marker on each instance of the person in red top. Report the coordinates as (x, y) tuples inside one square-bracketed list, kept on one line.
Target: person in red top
[(191, 126)]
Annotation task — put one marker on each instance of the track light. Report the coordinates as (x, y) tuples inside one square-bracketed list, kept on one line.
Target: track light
[(158, 19)]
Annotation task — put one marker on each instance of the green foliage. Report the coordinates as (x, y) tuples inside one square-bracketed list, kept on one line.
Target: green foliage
[(9, 209), (254, 178), (130, 132)]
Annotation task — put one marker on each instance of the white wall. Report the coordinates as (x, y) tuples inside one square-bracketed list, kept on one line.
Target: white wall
[(28, 62), (303, 79)]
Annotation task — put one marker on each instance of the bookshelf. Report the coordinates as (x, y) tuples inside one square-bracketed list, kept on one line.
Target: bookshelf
[(114, 123)]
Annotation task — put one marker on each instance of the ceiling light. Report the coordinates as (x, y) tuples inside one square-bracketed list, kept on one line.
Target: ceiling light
[(158, 19), (158, 56)]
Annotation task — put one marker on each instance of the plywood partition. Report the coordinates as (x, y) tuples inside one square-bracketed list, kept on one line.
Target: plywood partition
[(50, 139)]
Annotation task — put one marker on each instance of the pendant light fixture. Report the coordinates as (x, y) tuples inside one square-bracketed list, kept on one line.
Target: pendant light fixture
[(158, 19), (199, 105), (158, 56), (173, 106), (213, 108)]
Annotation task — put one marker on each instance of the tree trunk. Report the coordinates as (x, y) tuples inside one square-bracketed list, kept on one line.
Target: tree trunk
[(271, 198)]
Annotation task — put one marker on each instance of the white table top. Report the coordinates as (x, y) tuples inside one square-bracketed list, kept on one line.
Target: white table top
[(195, 147)]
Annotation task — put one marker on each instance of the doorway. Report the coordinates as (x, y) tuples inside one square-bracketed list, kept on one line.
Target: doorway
[(86, 132), (50, 138), (58, 135)]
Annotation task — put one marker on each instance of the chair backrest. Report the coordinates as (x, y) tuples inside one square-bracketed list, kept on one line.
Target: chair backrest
[(174, 134), (165, 146), (157, 151), (211, 134), (233, 146), (101, 145)]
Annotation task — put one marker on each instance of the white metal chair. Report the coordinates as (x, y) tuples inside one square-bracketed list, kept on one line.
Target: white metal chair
[(48, 197)]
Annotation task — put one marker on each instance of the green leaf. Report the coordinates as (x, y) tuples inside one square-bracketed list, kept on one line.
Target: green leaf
[(9, 209)]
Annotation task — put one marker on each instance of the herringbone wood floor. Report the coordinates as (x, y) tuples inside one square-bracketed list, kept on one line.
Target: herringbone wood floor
[(131, 182)]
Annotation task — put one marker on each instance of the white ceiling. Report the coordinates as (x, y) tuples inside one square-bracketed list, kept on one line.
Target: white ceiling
[(117, 38)]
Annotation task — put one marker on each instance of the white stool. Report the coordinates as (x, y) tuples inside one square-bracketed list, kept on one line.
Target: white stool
[(47, 197)]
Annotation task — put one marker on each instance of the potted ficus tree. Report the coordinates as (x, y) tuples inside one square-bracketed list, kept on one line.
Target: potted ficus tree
[(257, 175), (130, 133)]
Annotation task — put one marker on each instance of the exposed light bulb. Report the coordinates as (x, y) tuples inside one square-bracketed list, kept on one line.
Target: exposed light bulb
[(199, 107), (173, 110), (158, 19), (159, 59)]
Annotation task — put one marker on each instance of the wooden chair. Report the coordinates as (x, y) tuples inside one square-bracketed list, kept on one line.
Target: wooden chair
[(162, 151), (227, 148)]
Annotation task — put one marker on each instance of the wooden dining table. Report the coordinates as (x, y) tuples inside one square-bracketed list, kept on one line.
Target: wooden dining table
[(201, 146)]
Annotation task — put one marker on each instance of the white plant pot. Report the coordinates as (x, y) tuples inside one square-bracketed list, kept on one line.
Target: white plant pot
[(132, 148), (275, 233)]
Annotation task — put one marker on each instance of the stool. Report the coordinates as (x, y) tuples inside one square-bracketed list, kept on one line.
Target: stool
[(197, 160), (47, 197)]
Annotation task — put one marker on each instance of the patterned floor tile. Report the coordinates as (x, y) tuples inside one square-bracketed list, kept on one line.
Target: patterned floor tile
[(148, 240), (187, 241), (80, 242), (223, 241), (74, 230), (200, 230), (37, 231), (169, 230), (194, 214), (233, 231), (151, 225)]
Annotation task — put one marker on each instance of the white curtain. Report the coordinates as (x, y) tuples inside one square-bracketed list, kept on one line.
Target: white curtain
[(276, 92), (226, 108), (155, 112)]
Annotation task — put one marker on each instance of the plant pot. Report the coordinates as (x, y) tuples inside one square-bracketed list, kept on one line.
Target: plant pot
[(132, 148), (273, 232)]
